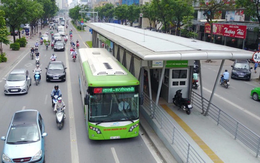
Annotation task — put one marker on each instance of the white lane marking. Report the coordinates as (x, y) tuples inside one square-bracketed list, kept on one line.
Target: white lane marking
[(115, 155), (150, 146), (73, 134), (235, 105), (23, 108), (45, 101)]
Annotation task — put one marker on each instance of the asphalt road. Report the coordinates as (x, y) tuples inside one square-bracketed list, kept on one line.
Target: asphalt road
[(236, 100), (71, 144)]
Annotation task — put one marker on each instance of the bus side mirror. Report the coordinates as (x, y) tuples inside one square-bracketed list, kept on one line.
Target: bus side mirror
[(86, 99)]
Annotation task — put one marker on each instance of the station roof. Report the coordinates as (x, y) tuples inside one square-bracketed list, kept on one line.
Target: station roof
[(151, 45)]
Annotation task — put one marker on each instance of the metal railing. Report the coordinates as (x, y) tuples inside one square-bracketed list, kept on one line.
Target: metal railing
[(234, 127), (184, 149)]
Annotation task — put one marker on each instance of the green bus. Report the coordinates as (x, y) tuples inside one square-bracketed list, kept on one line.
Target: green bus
[(110, 95)]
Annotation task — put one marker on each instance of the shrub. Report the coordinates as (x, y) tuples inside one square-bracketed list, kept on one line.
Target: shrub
[(22, 41), (3, 58), (15, 46)]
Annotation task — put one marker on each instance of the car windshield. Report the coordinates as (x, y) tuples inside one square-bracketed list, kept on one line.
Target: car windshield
[(55, 67), (59, 43), (241, 66), (16, 77), (44, 35), (23, 133), (113, 107), (56, 35)]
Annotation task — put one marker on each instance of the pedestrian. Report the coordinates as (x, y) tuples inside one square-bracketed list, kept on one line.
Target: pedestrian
[(256, 65)]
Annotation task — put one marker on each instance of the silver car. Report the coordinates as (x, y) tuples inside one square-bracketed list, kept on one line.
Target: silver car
[(24, 141), (17, 82)]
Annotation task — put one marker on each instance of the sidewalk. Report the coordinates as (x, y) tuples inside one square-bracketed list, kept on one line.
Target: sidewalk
[(13, 57)]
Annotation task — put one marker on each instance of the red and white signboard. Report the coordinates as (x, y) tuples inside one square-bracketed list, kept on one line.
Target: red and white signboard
[(235, 31), (256, 56)]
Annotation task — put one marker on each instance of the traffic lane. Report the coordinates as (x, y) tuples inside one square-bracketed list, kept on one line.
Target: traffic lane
[(57, 141), (134, 150), (39, 98), (246, 118), (235, 100), (238, 92)]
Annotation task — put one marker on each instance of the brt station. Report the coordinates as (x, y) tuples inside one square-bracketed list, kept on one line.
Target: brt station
[(162, 63)]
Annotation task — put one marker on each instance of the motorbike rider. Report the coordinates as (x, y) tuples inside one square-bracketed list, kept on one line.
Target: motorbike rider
[(224, 76), (32, 50), (74, 53), (60, 105), (55, 91), (36, 44), (53, 57), (37, 69)]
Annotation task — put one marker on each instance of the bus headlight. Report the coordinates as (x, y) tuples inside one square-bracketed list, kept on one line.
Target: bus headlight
[(95, 129), (133, 127)]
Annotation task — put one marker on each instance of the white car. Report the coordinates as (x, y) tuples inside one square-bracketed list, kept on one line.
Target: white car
[(57, 36), (45, 37), (18, 82)]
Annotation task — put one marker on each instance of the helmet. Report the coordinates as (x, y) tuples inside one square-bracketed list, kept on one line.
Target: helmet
[(56, 87), (53, 54), (225, 70), (59, 99)]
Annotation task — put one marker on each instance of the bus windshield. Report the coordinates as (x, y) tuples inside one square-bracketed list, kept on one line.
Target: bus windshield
[(113, 107)]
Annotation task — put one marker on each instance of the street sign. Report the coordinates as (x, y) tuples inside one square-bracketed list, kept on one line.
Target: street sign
[(82, 23), (141, 15), (256, 56)]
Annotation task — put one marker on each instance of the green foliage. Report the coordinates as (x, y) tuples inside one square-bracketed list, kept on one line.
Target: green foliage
[(15, 46), (3, 30), (133, 13), (121, 13), (46, 42), (3, 58), (74, 13), (251, 8), (89, 43), (22, 41)]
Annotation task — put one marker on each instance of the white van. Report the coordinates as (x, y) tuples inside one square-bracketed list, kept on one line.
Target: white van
[(61, 30)]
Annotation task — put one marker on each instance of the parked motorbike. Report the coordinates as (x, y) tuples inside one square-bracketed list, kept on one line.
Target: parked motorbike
[(37, 77), (225, 82), (182, 103), (37, 60), (195, 84), (60, 117)]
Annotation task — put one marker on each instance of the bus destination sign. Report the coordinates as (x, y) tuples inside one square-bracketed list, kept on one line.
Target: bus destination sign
[(118, 90)]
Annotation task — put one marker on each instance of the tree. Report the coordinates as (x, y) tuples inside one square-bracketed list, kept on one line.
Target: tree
[(148, 12), (162, 9), (74, 13), (3, 31), (179, 10), (121, 13), (16, 16), (108, 10), (133, 13), (252, 8)]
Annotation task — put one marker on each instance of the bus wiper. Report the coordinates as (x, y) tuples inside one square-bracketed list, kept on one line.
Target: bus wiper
[(99, 122)]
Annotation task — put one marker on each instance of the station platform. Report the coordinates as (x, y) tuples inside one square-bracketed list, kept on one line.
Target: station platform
[(212, 142)]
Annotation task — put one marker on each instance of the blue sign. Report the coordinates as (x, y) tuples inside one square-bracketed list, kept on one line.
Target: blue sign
[(82, 23)]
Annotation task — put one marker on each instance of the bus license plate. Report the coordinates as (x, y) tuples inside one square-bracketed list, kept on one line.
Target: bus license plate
[(115, 137)]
